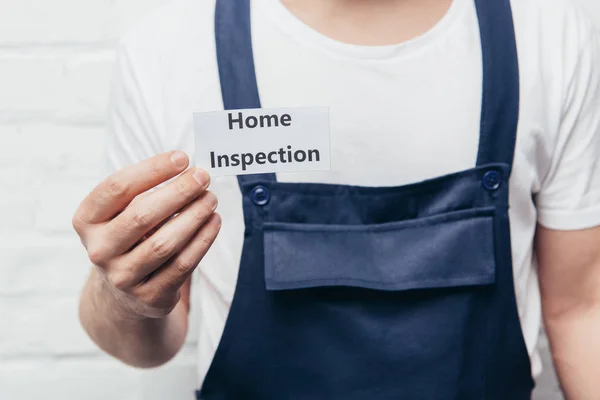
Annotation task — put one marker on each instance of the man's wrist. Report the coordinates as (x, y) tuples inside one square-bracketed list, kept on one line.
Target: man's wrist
[(107, 303)]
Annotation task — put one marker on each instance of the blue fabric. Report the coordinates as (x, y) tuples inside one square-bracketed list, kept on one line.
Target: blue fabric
[(453, 249), (350, 292)]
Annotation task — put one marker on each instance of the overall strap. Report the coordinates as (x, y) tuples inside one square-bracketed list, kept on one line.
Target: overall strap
[(500, 99), (236, 63)]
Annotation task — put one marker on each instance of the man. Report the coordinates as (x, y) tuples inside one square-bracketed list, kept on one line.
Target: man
[(418, 267)]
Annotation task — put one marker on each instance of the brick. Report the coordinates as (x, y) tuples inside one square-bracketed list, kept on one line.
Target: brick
[(42, 325), (88, 78), (17, 212), (46, 327), (25, 22), (30, 83), (39, 291), (47, 206), (55, 87), (68, 22), (58, 199), (19, 179), (46, 179), (97, 378), (59, 166), (41, 265), (53, 148)]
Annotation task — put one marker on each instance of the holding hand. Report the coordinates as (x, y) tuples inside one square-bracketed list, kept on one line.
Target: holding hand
[(141, 249)]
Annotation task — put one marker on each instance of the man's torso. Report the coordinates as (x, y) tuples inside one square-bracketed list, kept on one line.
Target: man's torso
[(399, 114)]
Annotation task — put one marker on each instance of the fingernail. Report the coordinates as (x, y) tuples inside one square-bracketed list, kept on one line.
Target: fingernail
[(213, 202), (179, 158), (201, 176)]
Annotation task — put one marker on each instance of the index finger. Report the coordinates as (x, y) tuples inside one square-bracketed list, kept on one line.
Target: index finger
[(113, 194)]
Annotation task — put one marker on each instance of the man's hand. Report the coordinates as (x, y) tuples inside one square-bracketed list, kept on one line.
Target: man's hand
[(144, 253), (144, 246)]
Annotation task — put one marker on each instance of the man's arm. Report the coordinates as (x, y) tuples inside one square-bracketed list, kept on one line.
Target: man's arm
[(567, 200), (135, 132), (144, 247), (139, 342), (569, 268)]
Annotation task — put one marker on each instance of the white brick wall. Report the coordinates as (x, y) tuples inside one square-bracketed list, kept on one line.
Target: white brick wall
[(55, 65)]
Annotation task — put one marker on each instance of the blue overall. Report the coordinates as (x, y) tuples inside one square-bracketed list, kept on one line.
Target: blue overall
[(355, 293)]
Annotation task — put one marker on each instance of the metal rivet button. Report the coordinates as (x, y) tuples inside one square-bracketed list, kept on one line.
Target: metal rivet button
[(492, 180), (260, 195)]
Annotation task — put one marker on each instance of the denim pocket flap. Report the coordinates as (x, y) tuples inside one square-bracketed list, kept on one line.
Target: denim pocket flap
[(454, 249)]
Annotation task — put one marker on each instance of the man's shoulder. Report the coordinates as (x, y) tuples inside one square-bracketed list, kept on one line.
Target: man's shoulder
[(553, 36), (552, 23)]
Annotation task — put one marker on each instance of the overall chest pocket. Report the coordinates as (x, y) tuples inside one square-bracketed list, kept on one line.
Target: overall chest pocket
[(398, 308), (450, 250)]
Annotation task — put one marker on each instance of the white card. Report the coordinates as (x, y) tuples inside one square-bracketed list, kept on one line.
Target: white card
[(262, 140)]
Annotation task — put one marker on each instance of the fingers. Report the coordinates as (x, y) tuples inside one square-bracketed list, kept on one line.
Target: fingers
[(116, 192), (148, 212), (135, 266), (159, 294), (174, 273)]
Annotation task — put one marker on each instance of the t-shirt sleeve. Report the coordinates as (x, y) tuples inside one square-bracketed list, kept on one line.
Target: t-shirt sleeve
[(569, 197), (132, 131)]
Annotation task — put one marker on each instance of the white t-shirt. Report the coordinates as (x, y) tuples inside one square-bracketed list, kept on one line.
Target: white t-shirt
[(399, 114)]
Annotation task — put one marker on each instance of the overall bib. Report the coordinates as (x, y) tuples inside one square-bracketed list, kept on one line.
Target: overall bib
[(366, 293)]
